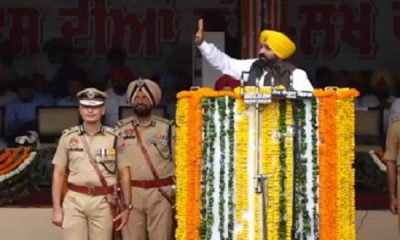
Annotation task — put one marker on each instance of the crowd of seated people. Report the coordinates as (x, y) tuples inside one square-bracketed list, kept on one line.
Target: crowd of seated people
[(57, 77), (379, 90)]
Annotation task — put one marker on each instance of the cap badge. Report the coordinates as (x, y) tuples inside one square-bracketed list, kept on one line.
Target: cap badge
[(90, 94)]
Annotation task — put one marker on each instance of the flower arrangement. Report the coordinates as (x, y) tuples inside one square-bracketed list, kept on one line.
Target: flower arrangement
[(304, 153), (20, 168)]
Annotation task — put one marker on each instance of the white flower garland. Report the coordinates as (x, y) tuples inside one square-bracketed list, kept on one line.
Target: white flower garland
[(377, 161), (216, 166)]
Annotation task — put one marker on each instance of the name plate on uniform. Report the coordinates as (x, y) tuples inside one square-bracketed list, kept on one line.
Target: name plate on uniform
[(260, 98)]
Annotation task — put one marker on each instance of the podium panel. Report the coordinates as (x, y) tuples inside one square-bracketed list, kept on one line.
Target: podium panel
[(265, 164)]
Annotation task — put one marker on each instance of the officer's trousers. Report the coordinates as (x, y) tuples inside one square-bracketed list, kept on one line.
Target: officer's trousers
[(86, 217), (151, 217)]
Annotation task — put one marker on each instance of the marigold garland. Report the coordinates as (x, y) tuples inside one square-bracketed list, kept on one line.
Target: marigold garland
[(15, 161), (331, 172), (346, 175), (241, 200), (271, 165), (327, 163), (4, 155), (182, 163), (193, 156), (28, 159), (8, 157), (289, 171), (194, 167)]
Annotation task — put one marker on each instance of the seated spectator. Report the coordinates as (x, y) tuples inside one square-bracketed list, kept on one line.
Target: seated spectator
[(169, 90), (384, 87), (119, 79), (5, 94), (8, 73), (21, 113), (226, 83), (41, 87), (341, 78), (74, 85), (323, 77), (61, 78), (394, 111), (40, 84), (362, 82)]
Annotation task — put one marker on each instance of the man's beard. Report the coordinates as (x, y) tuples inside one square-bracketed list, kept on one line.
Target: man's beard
[(142, 110), (267, 61)]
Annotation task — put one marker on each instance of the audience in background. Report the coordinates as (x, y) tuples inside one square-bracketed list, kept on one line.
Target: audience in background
[(41, 87), (362, 82), (323, 77), (74, 85), (119, 80), (21, 113), (169, 89), (8, 73), (384, 87), (226, 83), (5, 94)]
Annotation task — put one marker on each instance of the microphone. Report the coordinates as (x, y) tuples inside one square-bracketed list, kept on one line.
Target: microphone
[(256, 71)]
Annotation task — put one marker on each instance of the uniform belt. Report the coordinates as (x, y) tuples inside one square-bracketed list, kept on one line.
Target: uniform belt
[(153, 183), (95, 191)]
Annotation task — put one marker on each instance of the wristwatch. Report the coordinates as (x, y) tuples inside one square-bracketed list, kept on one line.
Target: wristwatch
[(127, 206)]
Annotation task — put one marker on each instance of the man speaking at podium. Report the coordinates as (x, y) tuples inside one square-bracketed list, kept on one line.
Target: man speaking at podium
[(270, 68)]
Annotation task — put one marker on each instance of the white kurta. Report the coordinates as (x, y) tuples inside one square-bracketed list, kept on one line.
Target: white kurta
[(113, 102), (234, 67)]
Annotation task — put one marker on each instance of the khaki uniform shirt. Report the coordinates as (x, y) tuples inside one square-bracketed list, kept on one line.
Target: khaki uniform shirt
[(392, 152), (72, 155), (158, 139)]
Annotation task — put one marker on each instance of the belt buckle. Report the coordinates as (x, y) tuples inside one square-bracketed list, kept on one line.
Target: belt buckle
[(91, 191)]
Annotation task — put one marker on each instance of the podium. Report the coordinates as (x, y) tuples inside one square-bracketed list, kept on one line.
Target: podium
[(264, 163)]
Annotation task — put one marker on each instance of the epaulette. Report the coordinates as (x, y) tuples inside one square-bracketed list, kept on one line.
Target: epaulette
[(70, 130), (109, 130), (164, 120), (124, 121), (395, 119)]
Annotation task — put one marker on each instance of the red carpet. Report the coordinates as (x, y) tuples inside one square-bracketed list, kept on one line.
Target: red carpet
[(371, 201), (37, 198), (364, 200)]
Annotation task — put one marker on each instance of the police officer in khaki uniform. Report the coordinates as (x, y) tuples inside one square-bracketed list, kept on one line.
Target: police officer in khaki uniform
[(147, 142), (392, 159), (88, 154)]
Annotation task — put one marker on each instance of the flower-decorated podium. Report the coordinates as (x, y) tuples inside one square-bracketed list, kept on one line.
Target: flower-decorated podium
[(266, 164)]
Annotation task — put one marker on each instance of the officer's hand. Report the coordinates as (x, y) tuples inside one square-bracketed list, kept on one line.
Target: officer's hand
[(123, 217), (393, 205), (199, 37), (57, 217)]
